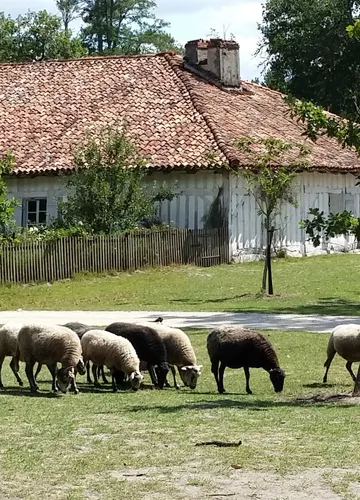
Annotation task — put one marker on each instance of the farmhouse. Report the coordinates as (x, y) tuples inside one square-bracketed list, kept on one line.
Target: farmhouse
[(185, 115)]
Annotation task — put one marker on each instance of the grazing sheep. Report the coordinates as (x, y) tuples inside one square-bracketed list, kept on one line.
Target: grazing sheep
[(80, 329), (149, 347), (344, 340), (117, 353), (8, 341), (238, 347), (179, 352), (50, 344)]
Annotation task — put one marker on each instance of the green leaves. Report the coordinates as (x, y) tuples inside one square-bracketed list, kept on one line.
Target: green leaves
[(318, 122), (310, 54), (7, 205), (125, 27), (35, 36), (107, 193), (268, 180), (318, 226)]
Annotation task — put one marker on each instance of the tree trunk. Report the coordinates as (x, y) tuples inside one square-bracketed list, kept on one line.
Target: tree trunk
[(264, 278), (270, 234)]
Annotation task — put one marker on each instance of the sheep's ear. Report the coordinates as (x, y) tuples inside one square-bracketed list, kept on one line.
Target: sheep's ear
[(199, 367), (183, 368)]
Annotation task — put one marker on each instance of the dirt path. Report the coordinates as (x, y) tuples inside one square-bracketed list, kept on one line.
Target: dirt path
[(189, 482)]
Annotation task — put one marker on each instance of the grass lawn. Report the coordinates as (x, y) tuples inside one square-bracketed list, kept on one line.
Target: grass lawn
[(320, 285), (100, 445)]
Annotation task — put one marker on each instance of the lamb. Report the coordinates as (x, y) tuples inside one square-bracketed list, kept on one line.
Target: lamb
[(50, 344), (344, 340), (180, 353), (238, 347), (117, 353), (148, 346), (8, 341)]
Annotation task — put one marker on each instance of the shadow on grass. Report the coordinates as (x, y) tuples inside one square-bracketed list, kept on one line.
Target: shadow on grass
[(252, 405), (27, 393), (335, 306), (318, 385)]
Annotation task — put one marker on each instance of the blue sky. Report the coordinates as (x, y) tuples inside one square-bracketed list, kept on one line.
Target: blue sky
[(192, 19)]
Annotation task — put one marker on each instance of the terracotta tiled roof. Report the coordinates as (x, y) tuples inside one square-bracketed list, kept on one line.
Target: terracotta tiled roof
[(175, 117)]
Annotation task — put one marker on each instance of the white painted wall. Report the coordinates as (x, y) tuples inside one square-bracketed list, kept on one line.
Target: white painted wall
[(50, 187), (328, 192), (196, 193), (198, 190)]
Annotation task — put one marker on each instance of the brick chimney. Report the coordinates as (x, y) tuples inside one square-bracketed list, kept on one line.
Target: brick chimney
[(219, 58)]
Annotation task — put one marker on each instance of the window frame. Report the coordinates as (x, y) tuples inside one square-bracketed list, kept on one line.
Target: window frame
[(37, 211)]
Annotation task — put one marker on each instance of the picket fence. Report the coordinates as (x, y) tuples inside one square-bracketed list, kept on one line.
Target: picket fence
[(42, 261)]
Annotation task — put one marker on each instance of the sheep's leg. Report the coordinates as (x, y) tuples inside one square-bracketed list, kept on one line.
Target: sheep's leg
[(152, 374), (215, 371), (38, 370), (247, 377), (29, 370), (348, 367), (95, 375), (52, 370), (221, 378), (176, 385), (73, 386), (102, 371), (88, 378), (113, 381), (327, 365), (17, 376), (1, 363)]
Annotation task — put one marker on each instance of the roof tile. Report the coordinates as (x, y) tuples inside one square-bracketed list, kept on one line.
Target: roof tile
[(175, 117)]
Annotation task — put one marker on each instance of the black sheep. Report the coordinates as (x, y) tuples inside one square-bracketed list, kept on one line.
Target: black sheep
[(238, 347), (149, 347)]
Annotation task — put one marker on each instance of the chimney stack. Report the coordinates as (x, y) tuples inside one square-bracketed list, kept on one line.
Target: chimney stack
[(218, 57)]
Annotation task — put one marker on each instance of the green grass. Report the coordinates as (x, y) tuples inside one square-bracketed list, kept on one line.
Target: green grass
[(320, 285), (142, 445)]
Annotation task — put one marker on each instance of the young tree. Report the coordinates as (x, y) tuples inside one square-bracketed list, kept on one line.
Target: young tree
[(7, 205), (106, 189), (271, 183), (308, 53)]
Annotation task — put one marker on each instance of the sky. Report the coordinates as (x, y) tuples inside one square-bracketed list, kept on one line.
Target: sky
[(191, 19)]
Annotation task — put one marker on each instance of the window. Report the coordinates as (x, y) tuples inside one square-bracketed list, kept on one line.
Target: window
[(34, 211), (338, 202)]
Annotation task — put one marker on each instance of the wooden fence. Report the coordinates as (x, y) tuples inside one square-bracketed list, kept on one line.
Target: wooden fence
[(49, 261)]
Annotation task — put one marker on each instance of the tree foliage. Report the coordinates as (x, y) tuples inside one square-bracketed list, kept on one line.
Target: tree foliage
[(318, 226), (106, 189), (309, 53), (271, 182), (124, 27), (36, 36), (7, 205), (69, 10)]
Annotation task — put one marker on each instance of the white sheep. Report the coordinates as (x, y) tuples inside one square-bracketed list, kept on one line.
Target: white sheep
[(344, 340), (49, 345), (179, 352), (115, 352), (8, 341)]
